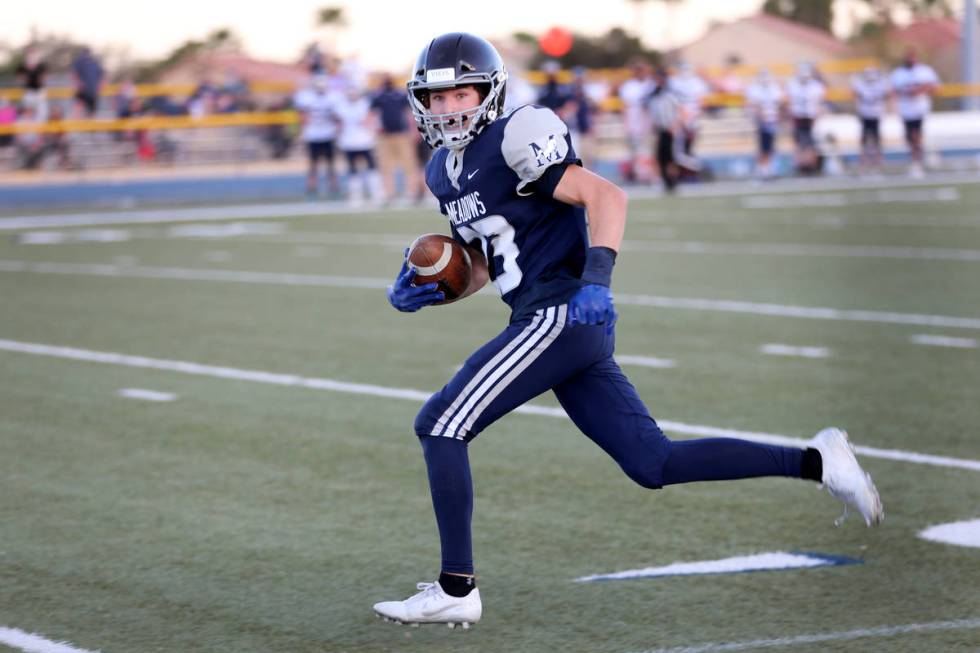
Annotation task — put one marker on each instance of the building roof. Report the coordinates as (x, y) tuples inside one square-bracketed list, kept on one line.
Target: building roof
[(243, 66), (790, 30), (929, 33)]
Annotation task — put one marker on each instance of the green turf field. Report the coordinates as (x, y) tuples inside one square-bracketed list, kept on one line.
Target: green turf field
[(254, 516)]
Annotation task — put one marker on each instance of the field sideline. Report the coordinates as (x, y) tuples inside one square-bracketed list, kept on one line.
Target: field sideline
[(205, 432)]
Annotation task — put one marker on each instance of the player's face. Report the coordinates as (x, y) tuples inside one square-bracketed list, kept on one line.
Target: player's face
[(454, 100), (455, 106)]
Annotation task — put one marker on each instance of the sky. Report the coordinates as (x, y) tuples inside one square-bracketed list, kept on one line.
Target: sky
[(383, 33)]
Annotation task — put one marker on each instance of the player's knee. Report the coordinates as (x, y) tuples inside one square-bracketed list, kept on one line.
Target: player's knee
[(426, 419), (647, 475), (645, 463)]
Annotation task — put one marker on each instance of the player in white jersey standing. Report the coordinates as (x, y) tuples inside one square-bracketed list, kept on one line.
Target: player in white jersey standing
[(870, 93), (691, 91), (764, 99), (806, 96), (357, 139), (317, 109), (634, 93), (914, 83)]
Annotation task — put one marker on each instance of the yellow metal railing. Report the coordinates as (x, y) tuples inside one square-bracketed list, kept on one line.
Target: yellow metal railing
[(265, 118), (147, 90), (258, 118)]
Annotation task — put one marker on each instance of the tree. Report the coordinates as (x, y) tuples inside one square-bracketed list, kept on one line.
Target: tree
[(331, 17), (615, 49), (222, 39), (885, 12), (815, 13), (57, 51)]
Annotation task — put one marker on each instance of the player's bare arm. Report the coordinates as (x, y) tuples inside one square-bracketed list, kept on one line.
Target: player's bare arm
[(479, 274), (604, 201)]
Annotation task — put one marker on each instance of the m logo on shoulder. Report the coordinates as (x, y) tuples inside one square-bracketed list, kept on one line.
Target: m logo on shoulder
[(547, 154)]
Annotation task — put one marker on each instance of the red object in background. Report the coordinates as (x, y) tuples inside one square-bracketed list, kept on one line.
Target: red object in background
[(556, 42)]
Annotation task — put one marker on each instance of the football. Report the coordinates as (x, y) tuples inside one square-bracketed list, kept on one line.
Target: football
[(440, 259)]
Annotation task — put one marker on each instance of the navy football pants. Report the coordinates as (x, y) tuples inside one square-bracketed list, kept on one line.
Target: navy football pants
[(543, 353)]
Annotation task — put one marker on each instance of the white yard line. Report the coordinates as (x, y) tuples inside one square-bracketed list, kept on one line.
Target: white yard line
[(332, 385), (645, 361), (944, 341), (824, 199), (146, 395), (274, 233), (161, 216), (845, 635), (960, 533), (756, 220), (775, 349), (665, 247), (771, 561), (807, 312), (793, 249), (31, 643), (728, 306), (192, 274)]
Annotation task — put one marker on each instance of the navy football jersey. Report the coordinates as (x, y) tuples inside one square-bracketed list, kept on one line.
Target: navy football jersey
[(498, 195)]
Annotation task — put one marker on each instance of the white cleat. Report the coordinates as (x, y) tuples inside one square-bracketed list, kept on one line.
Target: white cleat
[(844, 478), (433, 606)]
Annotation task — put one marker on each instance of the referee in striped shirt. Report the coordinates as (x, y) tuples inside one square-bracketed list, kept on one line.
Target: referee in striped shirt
[(666, 116)]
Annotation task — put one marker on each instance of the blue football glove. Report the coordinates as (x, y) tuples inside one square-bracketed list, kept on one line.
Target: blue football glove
[(408, 298), (592, 304)]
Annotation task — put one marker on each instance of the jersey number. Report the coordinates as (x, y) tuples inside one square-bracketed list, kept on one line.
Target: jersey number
[(497, 237)]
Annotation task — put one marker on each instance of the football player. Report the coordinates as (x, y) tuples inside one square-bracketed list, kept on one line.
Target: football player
[(914, 84), (516, 196)]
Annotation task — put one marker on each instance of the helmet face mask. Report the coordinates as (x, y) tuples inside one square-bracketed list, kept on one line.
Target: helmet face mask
[(451, 61)]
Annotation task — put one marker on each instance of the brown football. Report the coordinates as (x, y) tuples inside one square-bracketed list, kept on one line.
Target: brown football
[(440, 259)]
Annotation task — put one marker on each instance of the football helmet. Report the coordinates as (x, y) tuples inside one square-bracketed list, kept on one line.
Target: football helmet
[(448, 61)]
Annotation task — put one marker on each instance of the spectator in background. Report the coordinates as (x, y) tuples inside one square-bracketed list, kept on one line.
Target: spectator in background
[(337, 81), (32, 72), (8, 116), (317, 108), (667, 120), (237, 92), (582, 123), (357, 141), (806, 98), (422, 154), (691, 91), (519, 92), (552, 95), (88, 74), (870, 92), (313, 58), (764, 100), (30, 145), (396, 140), (634, 94), (279, 137), (127, 100), (730, 82), (204, 100), (913, 84)]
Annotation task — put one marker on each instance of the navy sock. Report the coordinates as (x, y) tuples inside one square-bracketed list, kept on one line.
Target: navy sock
[(454, 585), (448, 465), (811, 467), (722, 459)]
